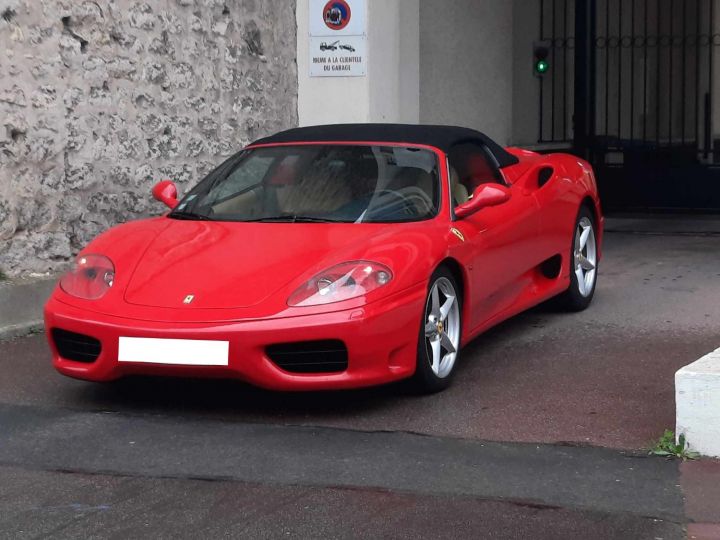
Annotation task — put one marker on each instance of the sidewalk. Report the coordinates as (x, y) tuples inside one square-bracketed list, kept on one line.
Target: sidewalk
[(21, 305)]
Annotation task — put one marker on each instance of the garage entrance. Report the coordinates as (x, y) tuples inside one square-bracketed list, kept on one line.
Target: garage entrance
[(632, 87)]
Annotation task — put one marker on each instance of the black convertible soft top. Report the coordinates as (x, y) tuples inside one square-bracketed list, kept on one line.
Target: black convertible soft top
[(441, 137)]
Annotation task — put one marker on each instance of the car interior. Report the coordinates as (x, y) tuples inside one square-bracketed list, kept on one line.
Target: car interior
[(338, 183)]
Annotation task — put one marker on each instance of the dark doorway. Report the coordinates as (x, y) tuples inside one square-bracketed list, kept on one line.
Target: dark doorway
[(637, 78)]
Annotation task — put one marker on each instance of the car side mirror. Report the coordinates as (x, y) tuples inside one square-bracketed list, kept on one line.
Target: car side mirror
[(166, 192), (484, 196)]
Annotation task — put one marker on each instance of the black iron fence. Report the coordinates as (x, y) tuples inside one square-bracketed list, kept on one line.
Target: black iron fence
[(654, 65), (635, 92), (557, 29)]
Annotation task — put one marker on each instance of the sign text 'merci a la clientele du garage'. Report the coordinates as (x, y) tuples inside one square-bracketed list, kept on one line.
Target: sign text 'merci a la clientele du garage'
[(338, 38)]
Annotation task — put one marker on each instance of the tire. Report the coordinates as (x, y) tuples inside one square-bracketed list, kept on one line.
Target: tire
[(439, 339), (583, 264)]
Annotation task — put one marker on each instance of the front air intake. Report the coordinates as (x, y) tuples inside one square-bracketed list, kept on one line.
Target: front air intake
[(76, 347), (329, 356)]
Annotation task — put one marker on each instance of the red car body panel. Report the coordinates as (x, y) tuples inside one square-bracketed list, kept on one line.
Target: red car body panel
[(241, 275)]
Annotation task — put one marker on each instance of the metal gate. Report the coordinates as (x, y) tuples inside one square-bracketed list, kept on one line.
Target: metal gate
[(644, 86)]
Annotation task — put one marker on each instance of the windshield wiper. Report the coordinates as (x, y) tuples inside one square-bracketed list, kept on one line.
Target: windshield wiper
[(293, 219), (190, 216)]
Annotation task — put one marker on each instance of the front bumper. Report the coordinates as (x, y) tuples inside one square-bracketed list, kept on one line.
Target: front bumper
[(381, 339)]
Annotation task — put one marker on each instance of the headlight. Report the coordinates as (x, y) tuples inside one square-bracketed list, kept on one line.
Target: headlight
[(341, 282), (90, 279)]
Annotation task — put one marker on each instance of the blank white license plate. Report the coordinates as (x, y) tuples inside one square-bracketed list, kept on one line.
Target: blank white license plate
[(175, 352)]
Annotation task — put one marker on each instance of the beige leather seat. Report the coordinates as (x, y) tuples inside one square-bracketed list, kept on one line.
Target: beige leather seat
[(459, 192), (247, 204), (316, 193), (416, 185), (412, 177)]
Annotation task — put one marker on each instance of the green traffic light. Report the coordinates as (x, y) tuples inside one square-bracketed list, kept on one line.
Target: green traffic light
[(542, 67)]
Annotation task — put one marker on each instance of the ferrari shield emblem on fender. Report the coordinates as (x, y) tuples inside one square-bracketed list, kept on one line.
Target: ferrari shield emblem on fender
[(188, 299), (457, 233)]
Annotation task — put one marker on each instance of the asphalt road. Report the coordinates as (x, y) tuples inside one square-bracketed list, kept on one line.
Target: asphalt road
[(90, 474), (157, 457), (37, 504), (602, 377)]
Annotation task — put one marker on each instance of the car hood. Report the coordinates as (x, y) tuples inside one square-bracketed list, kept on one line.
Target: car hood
[(208, 265)]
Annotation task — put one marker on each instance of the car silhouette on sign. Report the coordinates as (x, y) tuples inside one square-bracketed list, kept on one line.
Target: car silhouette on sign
[(324, 46)]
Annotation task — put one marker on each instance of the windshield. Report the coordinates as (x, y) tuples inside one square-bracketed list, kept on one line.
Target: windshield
[(318, 183)]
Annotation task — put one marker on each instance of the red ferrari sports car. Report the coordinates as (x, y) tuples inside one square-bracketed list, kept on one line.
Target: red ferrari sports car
[(332, 257)]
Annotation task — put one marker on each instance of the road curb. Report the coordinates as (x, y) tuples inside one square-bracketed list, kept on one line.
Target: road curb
[(21, 305), (697, 399)]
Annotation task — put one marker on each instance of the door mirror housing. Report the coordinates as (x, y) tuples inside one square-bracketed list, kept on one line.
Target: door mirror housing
[(166, 192), (484, 196)]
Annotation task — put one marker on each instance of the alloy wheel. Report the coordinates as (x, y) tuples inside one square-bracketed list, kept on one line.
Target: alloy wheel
[(585, 257), (442, 327)]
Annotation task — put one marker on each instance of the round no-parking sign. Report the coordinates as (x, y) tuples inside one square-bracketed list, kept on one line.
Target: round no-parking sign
[(337, 14)]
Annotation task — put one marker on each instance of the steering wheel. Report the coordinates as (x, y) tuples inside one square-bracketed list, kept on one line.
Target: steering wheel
[(421, 200), (408, 207)]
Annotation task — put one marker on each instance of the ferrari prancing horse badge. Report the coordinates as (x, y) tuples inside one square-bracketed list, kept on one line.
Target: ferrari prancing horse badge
[(457, 233)]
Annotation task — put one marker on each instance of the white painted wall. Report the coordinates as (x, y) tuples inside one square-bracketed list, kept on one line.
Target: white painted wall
[(390, 90), (466, 73), (326, 100), (429, 61), (394, 43)]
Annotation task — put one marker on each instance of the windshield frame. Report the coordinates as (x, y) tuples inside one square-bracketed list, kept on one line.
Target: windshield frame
[(220, 172)]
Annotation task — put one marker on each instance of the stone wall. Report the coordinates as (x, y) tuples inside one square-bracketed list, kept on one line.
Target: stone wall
[(100, 99)]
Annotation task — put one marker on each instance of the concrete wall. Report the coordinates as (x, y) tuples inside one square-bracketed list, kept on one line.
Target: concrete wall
[(100, 99), (390, 90), (466, 75), (394, 61)]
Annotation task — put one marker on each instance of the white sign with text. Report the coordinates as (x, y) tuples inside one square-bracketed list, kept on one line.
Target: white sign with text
[(338, 38), (343, 57)]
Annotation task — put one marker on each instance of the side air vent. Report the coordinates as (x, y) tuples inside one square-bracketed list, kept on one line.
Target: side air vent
[(551, 268), (544, 176), (76, 347), (329, 356)]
